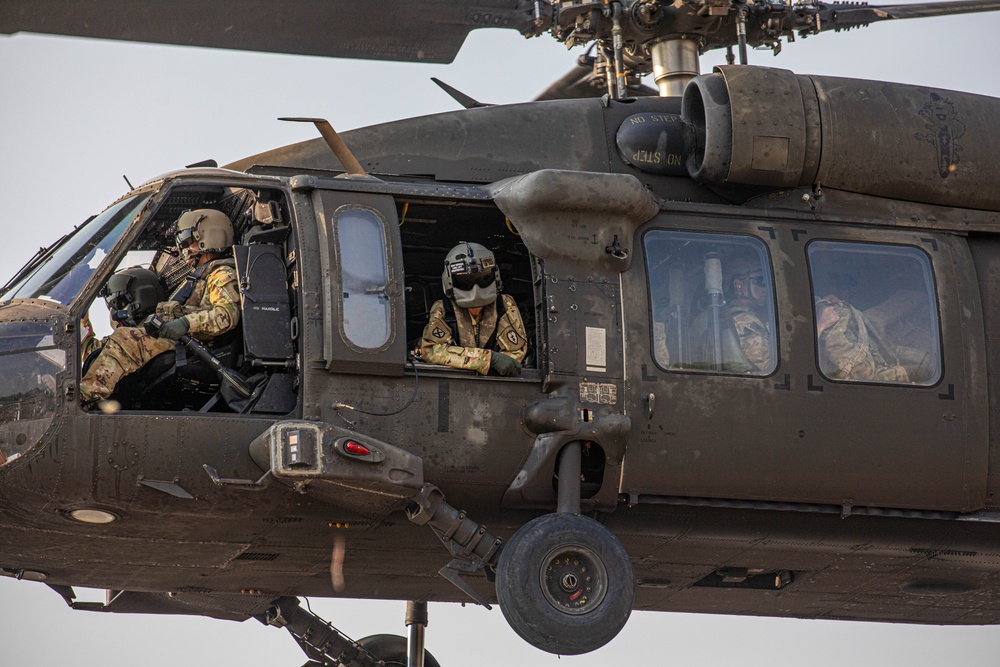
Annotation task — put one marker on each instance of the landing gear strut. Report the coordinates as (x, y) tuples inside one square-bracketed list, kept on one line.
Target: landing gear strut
[(564, 581), (323, 643), (416, 620), (396, 651), (326, 646)]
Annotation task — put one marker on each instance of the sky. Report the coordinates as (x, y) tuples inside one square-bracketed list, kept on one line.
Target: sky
[(76, 115)]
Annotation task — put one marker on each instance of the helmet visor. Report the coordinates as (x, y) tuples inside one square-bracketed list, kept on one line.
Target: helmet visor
[(183, 237), (466, 281), (117, 300)]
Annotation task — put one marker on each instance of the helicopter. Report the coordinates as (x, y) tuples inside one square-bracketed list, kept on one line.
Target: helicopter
[(734, 508)]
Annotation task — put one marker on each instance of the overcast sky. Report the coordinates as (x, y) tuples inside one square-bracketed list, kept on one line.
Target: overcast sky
[(76, 115)]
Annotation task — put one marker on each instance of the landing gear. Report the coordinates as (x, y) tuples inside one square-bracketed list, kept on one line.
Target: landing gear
[(391, 649), (565, 584), (323, 643), (326, 646)]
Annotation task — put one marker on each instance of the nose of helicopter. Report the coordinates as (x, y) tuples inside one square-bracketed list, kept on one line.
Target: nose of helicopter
[(32, 367)]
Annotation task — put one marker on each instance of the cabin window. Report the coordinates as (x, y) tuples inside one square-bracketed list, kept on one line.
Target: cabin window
[(712, 303), (875, 313), (362, 246)]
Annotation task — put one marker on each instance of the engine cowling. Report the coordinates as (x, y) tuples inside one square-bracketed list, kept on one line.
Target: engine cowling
[(770, 127)]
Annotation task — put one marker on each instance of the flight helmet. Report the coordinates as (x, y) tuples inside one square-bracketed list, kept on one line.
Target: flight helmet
[(471, 277), (132, 294), (212, 230)]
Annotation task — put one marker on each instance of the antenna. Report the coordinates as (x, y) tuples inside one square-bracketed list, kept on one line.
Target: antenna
[(336, 144)]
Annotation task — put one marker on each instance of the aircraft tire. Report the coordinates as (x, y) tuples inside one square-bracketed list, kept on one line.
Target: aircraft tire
[(565, 584), (392, 650)]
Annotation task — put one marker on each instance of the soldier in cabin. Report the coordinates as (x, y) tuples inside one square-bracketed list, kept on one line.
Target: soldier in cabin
[(850, 347), (490, 330), (747, 303)]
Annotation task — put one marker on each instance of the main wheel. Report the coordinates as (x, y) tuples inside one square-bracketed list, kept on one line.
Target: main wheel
[(565, 584), (392, 650)]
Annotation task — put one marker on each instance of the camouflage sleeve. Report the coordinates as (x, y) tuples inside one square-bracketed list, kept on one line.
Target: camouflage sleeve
[(755, 340), (845, 353), (660, 351), (436, 346), (89, 344), (168, 310), (220, 309), (511, 336)]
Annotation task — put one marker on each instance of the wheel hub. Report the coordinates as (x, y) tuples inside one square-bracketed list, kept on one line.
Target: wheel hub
[(573, 579)]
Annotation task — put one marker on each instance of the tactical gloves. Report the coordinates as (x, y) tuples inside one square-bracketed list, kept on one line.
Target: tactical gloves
[(174, 329), (504, 364)]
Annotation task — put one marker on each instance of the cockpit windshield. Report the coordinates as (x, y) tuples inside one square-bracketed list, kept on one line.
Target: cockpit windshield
[(63, 270)]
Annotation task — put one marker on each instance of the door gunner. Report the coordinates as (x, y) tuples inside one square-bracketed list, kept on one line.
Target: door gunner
[(491, 334)]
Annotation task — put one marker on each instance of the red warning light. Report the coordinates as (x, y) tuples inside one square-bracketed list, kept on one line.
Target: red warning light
[(356, 448)]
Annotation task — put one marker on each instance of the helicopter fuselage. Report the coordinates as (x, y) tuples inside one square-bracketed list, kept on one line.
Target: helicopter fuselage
[(747, 470)]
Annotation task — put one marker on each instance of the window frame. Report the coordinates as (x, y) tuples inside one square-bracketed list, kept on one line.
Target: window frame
[(750, 240), (935, 310), (387, 257)]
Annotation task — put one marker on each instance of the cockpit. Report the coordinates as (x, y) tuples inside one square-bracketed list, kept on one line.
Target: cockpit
[(57, 299)]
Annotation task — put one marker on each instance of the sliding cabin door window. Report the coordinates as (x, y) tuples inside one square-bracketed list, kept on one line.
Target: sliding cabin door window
[(361, 283), (876, 316), (712, 301), (362, 245)]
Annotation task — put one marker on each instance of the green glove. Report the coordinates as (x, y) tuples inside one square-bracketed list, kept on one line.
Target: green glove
[(174, 329), (503, 364)]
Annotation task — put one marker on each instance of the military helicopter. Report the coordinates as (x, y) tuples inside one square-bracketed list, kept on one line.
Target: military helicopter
[(720, 514)]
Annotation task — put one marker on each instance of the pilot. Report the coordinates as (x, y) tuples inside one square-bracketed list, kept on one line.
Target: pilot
[(849, 346), (748, 306), (206, 305), (131, 295), (491, 334)]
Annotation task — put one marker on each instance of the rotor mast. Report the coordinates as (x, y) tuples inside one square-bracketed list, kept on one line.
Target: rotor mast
[(675, 62)]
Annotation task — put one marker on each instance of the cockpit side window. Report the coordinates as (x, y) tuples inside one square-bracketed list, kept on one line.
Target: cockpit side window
[(876, 317), (712, 299)]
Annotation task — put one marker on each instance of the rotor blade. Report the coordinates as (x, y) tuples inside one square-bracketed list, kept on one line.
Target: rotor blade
[(844, 17), (579, 82), (429, 31), (938, 8)]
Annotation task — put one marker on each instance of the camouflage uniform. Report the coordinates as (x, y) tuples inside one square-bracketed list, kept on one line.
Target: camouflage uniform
[(436, 344), (212, 309), (849, 348), (660, 350), (754, 336)]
